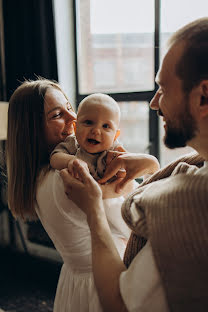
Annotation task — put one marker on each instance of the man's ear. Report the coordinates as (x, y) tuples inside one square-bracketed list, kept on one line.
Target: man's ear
[(117, 134), (204, 99)]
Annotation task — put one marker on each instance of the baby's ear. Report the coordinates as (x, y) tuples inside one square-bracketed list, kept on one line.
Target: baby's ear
[(117, 134), (75, 126)]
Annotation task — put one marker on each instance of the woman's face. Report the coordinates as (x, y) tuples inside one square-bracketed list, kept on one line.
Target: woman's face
[(59, 117)]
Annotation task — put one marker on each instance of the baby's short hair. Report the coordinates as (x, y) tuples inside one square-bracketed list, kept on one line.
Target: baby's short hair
[(103, 99)]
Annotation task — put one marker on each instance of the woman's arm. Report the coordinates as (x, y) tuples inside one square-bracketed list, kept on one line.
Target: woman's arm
[(107, 265)]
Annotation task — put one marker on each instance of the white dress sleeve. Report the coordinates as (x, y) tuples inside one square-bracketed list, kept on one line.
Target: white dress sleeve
[(141, 287), (53, 202), (112, 208)]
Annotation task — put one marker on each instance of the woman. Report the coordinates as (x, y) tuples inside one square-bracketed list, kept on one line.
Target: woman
[(39, 117)]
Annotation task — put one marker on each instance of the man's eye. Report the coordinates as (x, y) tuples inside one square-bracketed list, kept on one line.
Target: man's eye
[(88, 122), (160, 91), (106, 126)]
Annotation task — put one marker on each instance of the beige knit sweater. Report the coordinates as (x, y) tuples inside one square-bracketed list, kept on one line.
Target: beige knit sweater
[(172, 213)]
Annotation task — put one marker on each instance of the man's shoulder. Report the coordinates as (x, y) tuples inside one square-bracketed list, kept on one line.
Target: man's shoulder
[(181, 183)]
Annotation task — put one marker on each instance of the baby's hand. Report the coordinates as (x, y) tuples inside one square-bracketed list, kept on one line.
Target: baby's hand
[(72, 169)]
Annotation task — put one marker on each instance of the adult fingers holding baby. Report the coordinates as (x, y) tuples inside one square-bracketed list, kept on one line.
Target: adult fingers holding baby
[(73, 168), (135, 165), (111, 155), (119, 150), (84, 191)]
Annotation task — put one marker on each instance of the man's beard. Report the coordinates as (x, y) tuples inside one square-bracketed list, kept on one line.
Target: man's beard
[(186, 130)]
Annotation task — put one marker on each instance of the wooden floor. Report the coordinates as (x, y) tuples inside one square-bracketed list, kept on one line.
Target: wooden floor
[(27, 284)]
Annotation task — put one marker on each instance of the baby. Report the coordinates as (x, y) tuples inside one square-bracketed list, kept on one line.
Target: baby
[(96, 129)]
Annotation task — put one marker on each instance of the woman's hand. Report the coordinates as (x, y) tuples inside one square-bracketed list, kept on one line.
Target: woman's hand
[(135, 165), (84, 191)]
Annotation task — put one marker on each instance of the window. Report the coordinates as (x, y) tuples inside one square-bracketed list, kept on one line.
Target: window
[(134, 126), (119, 47), (116, 55), (115, 46), (169, 24), (104, 74)]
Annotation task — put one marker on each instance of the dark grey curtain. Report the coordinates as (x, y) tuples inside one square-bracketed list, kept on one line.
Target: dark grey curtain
[(27, 45), (29, 41), (2, 58)]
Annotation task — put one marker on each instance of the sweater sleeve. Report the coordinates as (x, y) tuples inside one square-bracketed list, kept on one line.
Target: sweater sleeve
[(175, 214), (69, 146)]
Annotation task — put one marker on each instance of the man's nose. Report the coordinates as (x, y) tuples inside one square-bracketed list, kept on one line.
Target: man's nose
[(154, 103)]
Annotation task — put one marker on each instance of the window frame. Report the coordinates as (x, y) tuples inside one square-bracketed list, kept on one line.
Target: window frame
[(154, 142)]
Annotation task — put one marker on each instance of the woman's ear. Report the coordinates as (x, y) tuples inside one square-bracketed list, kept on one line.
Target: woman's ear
[(75, 126), (204, 99), (117, 134)]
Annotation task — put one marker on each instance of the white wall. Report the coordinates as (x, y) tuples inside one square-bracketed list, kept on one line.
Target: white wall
[(64, 31)]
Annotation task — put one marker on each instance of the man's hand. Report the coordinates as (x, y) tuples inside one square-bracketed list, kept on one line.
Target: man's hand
[(135, 165), (121, 173)]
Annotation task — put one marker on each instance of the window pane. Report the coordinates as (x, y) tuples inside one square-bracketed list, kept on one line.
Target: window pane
[(185, 11), (115, 46), (134, 126)]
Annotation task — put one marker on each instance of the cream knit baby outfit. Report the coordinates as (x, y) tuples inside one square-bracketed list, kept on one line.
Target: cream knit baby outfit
[(96, 162)]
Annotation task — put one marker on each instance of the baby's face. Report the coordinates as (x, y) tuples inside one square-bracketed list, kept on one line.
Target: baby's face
[(96, 127)]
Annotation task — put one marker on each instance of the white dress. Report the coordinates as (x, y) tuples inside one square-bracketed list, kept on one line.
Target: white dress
[(67, 227)]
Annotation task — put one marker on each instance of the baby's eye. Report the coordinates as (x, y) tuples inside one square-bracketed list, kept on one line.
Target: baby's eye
[(88, 122), (106, 126)]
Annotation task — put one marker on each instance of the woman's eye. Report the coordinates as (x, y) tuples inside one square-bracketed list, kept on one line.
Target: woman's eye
[(106, 126), (56, 115)]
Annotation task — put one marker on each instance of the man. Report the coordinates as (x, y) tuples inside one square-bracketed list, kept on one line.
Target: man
[(170, 272)]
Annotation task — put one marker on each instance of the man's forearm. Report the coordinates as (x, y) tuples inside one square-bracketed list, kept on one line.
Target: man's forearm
[(107, 264)]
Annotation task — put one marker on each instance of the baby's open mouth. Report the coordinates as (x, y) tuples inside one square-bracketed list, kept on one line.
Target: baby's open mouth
[(92, 141)]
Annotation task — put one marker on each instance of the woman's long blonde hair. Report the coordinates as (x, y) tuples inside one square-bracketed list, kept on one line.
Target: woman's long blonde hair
[(26, 150)]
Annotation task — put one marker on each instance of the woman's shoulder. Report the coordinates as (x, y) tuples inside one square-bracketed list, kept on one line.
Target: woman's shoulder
[(51, 198), (47, 178), (46, 193)]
